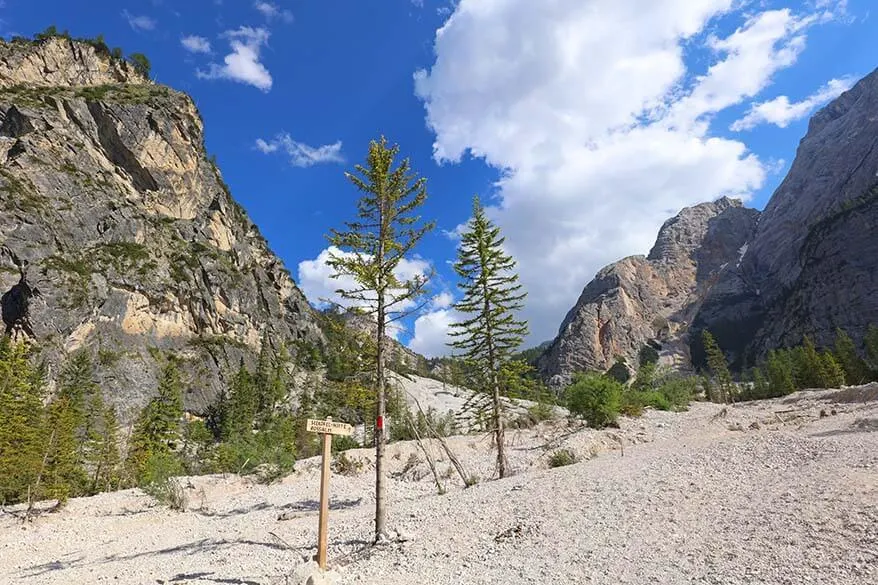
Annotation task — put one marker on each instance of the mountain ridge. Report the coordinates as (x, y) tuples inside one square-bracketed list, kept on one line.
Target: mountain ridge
[(114, 213), (805, 267)]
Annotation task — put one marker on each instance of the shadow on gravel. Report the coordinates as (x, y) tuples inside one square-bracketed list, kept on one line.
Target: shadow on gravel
[(205, 544), (863, 425), (314, 505), (236, 512), (206, 577), (126, 512), (37, 570)]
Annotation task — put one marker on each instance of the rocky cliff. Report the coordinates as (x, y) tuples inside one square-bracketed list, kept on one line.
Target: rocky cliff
[(118, 234), (651, 299), (812, 264)]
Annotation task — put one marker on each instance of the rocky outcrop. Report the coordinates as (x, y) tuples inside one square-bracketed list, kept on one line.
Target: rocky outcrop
[(111, 209), (651, 299), (812, 264)]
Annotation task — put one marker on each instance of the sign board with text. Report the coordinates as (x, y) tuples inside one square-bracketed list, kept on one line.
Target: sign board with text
[(328, 427)]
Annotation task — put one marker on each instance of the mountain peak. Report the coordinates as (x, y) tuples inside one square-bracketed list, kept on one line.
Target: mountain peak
[(63, 61)]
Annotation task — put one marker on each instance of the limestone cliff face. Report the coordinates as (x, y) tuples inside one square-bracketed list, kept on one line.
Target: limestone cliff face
[(651, 299), (812, 265), (117, 233)]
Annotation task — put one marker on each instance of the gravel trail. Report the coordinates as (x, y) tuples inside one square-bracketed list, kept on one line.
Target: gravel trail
[(757, 493)]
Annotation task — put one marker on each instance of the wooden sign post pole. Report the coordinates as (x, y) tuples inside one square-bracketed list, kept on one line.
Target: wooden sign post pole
[(327, 428), (324, 501)]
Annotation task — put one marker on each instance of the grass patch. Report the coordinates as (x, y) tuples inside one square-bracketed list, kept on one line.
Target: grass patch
[(22, 196), (561, 458), (109, 358)]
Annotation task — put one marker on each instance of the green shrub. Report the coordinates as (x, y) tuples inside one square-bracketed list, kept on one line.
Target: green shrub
[(168, 492), (251, 452), (631, 406), (562, 457), (654, 399), (344, 443), (647, 355), (157, 478), (141, 63), (679, 391), (619, 371), (595, 398), (344, 465), (541, 411)]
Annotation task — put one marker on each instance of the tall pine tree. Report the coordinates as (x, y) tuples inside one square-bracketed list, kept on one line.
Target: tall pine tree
[(21, 422), (870, 340), (855, 369), (371, 251), (157, 430), (719, 368), (490, 333)]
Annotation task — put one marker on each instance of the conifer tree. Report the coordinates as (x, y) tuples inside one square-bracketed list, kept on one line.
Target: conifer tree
[(855, 369), (106, 457), (831, 372), (490, 332), (708, 388), (779, 370), (21, 422), (83, 397), (157, 429), (62, 474), (269, 381), (810, 365), (870, 340), (387, 230), (716, 363), (241, 406), (761, 387)]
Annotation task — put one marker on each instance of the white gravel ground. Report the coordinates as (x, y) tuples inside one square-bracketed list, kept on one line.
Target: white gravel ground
[(761, 493)]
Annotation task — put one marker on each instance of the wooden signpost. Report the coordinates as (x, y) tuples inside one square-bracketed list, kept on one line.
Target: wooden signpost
[(327, 428)]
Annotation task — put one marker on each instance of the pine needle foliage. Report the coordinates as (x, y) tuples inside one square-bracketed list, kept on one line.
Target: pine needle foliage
[(490, 333), (719, 369), (21, 422), (371, 250)]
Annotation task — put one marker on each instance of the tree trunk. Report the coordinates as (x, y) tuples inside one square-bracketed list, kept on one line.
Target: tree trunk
[(380, 436), (467, 480), (427, 455), (496, 414), (499, 432)]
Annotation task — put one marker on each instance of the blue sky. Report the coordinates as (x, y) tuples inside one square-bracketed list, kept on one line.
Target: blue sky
[(585, 124)]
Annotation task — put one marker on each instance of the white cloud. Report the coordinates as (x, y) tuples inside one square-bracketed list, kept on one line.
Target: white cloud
[(242, 64), (780, 111), (599, 123), (430, 337), (317, 282), (195, 44), (139, 22), (301, 155), (271, 11), (442, 301)]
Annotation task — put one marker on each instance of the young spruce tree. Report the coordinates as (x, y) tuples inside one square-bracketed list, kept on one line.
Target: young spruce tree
[(372, 248), (491, 333), (21, 422), (855, 369), (157, 430), (716, 363)]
